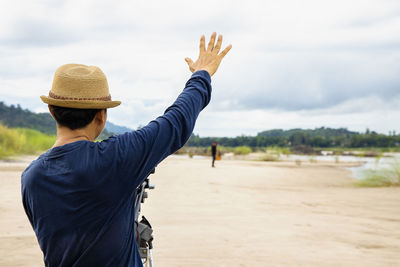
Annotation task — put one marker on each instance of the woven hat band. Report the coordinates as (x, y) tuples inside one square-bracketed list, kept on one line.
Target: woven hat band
[(104, 98)]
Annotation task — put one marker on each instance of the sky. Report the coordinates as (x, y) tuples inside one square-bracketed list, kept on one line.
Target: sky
[(294, 64)]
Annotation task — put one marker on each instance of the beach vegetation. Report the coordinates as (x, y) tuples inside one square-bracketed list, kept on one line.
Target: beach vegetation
[(277, 150), (15, 141), (313, 159), (10, 141), (35, 141), (242, 150), (270, 156), (384, 177)]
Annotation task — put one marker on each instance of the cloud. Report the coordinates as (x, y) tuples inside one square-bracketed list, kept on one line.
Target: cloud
[(292, 63), (310, 81), (39, 33), (376, 20)]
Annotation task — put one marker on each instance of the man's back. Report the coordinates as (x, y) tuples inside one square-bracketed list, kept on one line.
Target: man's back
[(79, 197), (82, 214)]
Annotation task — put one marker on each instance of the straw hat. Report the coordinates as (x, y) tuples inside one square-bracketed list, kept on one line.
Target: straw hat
[(80, 86)]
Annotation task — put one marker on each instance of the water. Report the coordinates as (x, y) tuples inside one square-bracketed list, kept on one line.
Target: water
[(366, 163), (386, 162)]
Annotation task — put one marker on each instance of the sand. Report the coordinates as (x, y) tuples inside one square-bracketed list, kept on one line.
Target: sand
[(242, 213)]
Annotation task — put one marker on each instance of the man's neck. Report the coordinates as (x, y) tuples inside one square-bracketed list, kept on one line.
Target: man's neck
[(66, 136)]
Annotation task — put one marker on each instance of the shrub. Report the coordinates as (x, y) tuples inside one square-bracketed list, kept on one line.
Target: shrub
[(11, 141), (242, 150), (23, 141), (313, 159), (278, 150), (303, 149), (270, 157), (379, 178), (35, 141)]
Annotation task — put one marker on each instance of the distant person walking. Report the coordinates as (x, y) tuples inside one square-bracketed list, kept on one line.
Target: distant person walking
[(213, 153)]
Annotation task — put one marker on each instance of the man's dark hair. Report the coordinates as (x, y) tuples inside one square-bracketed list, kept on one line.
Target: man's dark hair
[(74, 118)]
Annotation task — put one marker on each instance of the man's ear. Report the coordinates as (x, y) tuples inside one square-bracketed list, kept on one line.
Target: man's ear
[(51, 111), (101, 117)]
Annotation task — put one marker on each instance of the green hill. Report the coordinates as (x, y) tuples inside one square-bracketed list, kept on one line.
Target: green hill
[(323, 132), (14, 116)]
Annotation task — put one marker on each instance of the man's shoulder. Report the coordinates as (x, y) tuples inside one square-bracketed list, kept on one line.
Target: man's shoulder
[(32, 169), (35, 162)]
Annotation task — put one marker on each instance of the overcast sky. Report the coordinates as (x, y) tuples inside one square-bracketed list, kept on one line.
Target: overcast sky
[(293, 63)]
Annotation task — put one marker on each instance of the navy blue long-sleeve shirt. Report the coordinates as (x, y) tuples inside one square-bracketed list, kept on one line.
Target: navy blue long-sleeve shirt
[(79, 197)]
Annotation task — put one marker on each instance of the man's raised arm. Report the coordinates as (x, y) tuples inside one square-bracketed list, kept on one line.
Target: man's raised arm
[(169, 132)]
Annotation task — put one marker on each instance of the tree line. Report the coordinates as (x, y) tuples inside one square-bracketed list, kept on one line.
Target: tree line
[(320, 137)]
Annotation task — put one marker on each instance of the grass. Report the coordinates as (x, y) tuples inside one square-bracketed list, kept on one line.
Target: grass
[(313, 159), (10, 141), (362, 150), (278, 150), (193, 151), (273, 153), (35, 141), (242, 150), (270, 157), (380, 178), (15, 141)]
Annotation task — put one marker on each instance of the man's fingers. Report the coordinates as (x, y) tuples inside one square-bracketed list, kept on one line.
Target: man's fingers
[(218, 45), (189, 61), (225, 51), (211, 43), (202, 44)]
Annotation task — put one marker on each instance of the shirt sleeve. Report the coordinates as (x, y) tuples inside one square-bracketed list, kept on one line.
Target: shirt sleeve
[(140, 151)]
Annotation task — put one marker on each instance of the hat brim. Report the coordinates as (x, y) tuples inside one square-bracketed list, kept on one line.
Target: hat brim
[(83, 104)]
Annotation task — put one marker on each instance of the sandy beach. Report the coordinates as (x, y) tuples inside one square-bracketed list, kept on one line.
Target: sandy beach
[(242, 213)]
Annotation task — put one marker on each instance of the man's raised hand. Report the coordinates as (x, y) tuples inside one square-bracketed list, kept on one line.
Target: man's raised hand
[(209, 59)]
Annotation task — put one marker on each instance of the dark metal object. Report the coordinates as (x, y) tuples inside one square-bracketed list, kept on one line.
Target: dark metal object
[(144, 231)]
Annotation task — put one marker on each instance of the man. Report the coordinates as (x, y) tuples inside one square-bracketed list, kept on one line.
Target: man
[(79, 194), (213, 153)]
